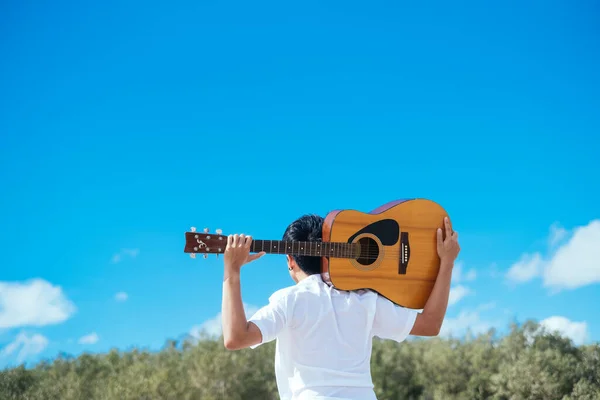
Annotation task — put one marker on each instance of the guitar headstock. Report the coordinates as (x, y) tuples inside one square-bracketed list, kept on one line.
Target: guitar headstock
[(204, 243)]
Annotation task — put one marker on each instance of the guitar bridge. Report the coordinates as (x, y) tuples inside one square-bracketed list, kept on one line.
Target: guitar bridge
[(404, 253)]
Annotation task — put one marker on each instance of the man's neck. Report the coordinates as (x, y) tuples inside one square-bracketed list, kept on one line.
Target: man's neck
[(302, 276)]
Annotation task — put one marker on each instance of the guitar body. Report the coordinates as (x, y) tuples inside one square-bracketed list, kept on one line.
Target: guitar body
[(398, 250)]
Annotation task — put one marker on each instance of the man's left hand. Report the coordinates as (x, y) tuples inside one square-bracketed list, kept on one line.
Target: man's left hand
[(237, 252)]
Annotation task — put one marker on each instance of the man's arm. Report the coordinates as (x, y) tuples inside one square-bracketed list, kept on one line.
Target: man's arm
[(429, 322), (238, 333)]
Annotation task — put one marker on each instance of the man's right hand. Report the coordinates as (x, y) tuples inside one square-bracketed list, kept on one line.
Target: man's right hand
[(448, 247), (429, 322)]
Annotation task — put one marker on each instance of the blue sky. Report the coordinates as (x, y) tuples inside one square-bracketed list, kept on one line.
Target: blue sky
[(122, 125)]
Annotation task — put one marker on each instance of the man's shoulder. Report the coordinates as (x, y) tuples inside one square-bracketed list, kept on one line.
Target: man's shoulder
[(282, 294)]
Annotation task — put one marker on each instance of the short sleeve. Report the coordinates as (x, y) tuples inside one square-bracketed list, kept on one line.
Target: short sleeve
[(271, 319), (392, 321)]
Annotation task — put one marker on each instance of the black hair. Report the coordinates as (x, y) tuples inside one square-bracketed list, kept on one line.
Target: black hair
[(308, 228)]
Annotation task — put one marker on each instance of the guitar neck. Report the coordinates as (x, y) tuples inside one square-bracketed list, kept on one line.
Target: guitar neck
[(208, 243), (310, 249)]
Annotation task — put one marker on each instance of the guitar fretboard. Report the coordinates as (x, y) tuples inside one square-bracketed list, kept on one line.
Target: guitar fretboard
[(313, 249)]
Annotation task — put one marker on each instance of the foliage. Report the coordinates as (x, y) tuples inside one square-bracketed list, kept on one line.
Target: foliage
[(527, 363)]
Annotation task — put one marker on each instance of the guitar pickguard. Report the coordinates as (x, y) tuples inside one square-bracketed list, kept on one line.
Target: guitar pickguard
[(386, 230)]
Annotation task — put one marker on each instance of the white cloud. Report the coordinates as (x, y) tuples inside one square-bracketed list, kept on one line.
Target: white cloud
[(34, 303), (460, 291), (573, 264), (457, 293), (576, 331), (121, 296), (527, 268), (89, 339), (557, 234), (213, 327), (25, 346), (577, 263), (458, 275), (133, 253), (471, 275), (468, 320)]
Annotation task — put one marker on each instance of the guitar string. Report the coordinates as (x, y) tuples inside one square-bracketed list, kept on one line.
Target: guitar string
[(386, 257), (338, 250), (371, 255), (345, 252)]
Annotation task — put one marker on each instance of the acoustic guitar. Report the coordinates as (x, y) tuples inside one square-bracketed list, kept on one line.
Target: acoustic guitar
[(391, 250)]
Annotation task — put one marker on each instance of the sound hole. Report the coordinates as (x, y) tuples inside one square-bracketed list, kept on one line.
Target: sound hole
[(369, 251)]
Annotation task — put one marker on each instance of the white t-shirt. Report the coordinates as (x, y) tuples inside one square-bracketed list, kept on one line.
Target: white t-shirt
[(324, 338)]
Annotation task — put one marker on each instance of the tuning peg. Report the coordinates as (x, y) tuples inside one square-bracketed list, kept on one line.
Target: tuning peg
[(193, 229), (193, 255), (205, 255), (219, 231), (205, 230), (217, 255)]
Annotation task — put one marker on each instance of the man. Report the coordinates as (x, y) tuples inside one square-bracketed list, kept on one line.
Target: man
[(324, 335)]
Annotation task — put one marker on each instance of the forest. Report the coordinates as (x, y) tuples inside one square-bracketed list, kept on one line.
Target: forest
[(526, 363)]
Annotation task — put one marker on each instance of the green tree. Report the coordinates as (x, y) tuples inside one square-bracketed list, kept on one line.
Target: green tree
[(527, 363)]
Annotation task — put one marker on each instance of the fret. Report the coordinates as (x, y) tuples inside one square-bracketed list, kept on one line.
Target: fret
[(305, 248)]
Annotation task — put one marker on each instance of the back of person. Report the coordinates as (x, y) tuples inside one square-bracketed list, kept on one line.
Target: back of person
[(324, 335), (324, 349)]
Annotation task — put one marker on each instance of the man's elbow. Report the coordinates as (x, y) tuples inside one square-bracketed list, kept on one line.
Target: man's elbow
[(242, 339), (426, 326), (435, 329), (429, 330), (231, 343)]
